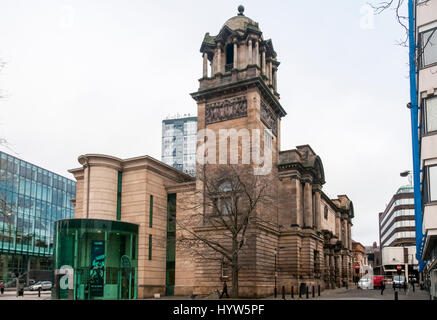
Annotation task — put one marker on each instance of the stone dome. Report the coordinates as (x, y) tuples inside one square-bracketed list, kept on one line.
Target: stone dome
[(240, 23)]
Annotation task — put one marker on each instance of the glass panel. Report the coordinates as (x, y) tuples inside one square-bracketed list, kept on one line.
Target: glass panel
[(103, 268), (432, 183), (429, 47), (431, 114)]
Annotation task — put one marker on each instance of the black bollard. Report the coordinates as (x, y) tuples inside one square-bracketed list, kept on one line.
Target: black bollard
[(300, 292), (276, 292), (314, 293), (307, 293), (413, 288), (283, 292), (396, 295), (318, 290), (292, 292)]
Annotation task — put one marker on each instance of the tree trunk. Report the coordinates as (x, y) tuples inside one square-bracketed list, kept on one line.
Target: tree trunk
[(234, 292)]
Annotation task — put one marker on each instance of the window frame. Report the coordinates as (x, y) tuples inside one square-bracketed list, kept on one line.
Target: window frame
[(428, 185), (421, 62), (425, 116)]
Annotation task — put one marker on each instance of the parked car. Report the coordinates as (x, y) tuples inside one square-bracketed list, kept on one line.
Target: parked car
[(398, 281), (44, 285), (364, 283)]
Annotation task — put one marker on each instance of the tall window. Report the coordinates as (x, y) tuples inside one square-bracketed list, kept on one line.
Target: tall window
[(119, 195), (151, 212), (223, 201), (428, 44), (325, 213), (229, 57), (432, 183), (225, 269), (150, 247), (430, 114)]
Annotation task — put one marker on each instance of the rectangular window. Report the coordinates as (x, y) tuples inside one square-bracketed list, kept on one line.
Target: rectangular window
[(119, 195), (428, 45), (430, 114), (432, 183), (150, 247), (151, 212)]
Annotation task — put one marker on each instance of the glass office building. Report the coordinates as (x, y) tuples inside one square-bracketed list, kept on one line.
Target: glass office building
[(31, 199), (179, 140)]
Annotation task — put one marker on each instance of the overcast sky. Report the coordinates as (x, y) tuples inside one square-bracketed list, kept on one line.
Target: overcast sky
[(99, 77)]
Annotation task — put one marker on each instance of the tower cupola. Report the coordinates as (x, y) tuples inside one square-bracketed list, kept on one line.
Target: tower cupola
[(238, 52)]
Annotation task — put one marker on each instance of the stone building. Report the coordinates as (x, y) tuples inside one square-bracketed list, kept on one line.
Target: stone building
[(360, 257), (305, 238)]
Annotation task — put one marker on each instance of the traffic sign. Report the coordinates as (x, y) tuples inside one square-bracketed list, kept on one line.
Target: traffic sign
[(399, 267), (357, 266)]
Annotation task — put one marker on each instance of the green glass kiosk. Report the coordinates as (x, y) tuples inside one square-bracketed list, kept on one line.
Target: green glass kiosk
[(95, 259)]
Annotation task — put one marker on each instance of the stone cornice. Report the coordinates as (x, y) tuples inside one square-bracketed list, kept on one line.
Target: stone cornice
[(219, 90), (181, 187), (126, 165)]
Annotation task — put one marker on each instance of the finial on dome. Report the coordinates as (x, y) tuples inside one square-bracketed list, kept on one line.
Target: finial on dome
[(240, 10)]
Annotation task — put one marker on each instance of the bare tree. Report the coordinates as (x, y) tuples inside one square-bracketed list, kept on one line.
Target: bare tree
[(221, 213), (397, 6)]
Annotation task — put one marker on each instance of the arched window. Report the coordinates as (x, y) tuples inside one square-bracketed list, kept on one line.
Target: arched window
[(223, 201)]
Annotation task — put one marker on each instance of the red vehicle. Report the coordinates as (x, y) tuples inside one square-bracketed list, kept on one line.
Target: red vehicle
[(377, 281)]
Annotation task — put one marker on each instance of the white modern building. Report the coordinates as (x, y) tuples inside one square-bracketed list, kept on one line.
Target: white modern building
[(179, 140)]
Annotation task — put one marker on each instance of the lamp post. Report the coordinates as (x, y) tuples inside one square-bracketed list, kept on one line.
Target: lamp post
[(407, 173), (276, 270), (276, 274)]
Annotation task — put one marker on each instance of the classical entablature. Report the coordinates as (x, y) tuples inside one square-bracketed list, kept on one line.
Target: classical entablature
[(302, 162)]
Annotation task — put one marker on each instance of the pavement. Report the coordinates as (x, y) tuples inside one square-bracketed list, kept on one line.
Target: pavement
[(363, 294), (335, 294), (28, 295)]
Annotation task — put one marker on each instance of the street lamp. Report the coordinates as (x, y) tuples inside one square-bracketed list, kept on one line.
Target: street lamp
[(407, 173), (276, 273), (276, 270)]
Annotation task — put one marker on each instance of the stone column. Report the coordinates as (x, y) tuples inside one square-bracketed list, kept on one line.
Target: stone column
[(337, 226), (317, 213), (332, 270), (340, 274), (345, 240), (308, 205), (275, 79), (257, 52), (235, 54), (263, 61), (349, 226), (205, 65), (249, 52), (219, 58), (327, 260), (270, 73)]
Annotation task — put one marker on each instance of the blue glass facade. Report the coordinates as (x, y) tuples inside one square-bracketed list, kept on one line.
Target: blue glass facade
[(31, 200)]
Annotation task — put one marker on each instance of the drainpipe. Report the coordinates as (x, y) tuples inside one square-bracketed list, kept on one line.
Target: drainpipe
[(414, 109)]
